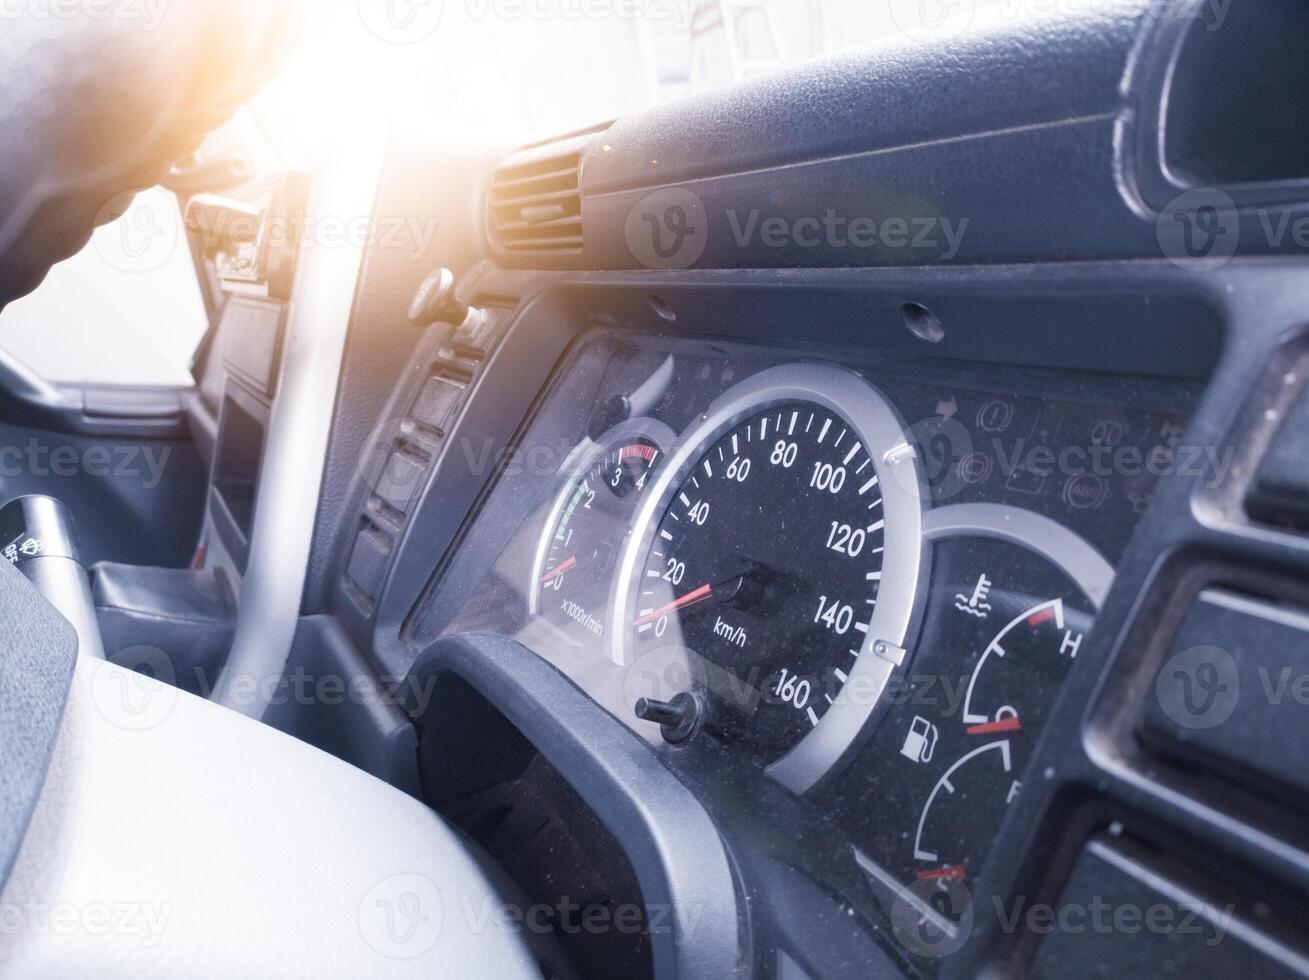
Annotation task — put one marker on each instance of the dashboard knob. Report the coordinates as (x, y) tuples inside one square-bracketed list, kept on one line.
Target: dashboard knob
[(679, 718), (436, 302)]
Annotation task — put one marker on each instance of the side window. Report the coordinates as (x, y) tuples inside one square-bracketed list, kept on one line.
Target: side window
[(125, 310)]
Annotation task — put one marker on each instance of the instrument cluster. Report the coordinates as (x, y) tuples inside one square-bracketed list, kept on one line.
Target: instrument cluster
[(866, 581)]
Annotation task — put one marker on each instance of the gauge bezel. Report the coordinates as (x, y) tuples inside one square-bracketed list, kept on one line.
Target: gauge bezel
[(579, 461), (901, 596)]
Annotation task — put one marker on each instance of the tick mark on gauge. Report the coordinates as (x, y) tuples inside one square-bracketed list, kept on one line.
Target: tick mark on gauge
[(874, 576), (686, 501), (869, 485), (709, 470), (813, 716), (854, 451), (665, 535), (822, 433), (876, 526)]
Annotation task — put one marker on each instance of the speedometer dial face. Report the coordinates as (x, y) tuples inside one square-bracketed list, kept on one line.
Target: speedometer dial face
[(782, 555), (786, 619)]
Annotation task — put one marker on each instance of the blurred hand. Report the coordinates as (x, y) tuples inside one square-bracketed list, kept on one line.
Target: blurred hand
[(98, 98)]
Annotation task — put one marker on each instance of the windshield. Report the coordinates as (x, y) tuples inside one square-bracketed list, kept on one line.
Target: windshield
[(528, 69)]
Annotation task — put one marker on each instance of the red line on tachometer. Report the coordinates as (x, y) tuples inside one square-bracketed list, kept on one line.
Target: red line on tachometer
[(559, 569), (640, 450), (957, 872), (690, 599), (1010, 724)]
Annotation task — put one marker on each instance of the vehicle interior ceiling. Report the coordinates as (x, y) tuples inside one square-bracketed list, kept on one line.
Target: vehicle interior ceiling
[(851, 522)]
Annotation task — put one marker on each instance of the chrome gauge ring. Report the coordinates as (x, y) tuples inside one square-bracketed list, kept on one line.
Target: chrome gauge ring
[(780, 554), (599, 486)]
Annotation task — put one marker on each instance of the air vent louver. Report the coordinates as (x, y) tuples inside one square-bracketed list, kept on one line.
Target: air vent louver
[(536, 201)]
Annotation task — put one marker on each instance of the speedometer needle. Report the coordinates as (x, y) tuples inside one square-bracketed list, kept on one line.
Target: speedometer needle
[(1010, 724), (690, 599), (559, 569)]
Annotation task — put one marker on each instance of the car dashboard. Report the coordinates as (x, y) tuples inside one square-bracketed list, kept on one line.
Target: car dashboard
[(793, 528)]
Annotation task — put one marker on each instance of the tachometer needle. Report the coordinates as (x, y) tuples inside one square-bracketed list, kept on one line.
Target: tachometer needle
[(690, 599), (1010, 724), (559, 569)]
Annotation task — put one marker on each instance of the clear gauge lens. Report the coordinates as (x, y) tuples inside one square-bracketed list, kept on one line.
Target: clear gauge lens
[(576, 567), (780, 557), (768, 564), (1003, 630)]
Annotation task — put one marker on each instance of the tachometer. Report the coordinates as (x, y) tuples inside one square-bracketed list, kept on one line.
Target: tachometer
[(574, 567), (781, 550)]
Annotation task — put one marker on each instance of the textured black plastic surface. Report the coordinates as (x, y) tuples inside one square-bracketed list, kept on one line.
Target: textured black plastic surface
[(669, 839), (1128, 920), (1245, 713), (36, 668), (332, 700), (1279, 493)]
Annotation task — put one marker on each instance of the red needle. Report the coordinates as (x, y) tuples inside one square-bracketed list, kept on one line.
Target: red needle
[(957, 872), (690, 599), (1010, 724), (559, 569)]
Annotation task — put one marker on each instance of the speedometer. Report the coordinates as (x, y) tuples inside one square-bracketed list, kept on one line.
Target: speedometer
[(780, 553)]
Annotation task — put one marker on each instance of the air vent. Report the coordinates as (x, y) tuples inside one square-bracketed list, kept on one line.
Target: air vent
[(536, 202)]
